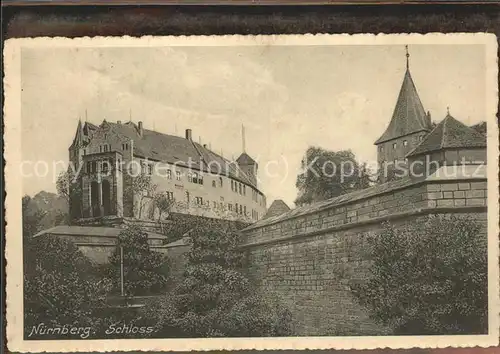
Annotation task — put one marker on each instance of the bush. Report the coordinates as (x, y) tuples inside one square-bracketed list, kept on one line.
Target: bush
[(429, 277), (145, 271), (215, 299), (61, 286)]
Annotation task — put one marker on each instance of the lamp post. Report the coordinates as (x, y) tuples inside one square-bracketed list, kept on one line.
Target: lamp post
[(121, 270)]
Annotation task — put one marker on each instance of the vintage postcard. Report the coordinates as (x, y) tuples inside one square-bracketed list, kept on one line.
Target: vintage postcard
[(251, 192)]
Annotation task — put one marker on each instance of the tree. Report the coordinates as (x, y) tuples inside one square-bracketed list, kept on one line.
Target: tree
[(61, 286), (429, 277), (215, 298), (327, 174), (163, 203), (145, 271), (142, 187), (68, 186)]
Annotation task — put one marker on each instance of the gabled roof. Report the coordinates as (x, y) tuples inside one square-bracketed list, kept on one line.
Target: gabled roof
[(174, 149), (277, 207), (245, 159), (450, 133), (409, 114)]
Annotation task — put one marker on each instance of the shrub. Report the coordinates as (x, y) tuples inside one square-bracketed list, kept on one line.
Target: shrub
[(145, 271), (215, 298), (429, 277)]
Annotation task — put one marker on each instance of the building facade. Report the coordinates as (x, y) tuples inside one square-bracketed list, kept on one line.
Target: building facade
[(122, 168)]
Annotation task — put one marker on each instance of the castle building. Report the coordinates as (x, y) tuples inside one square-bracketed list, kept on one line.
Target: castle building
[(123, 167), (413, 145)]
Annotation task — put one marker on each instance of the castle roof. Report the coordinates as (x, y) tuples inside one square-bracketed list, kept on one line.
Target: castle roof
[(245, 159), (409, 114), (450, 133), (174, 149), (277, 207)]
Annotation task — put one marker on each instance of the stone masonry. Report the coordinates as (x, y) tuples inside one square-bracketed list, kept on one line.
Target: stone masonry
[(309, 255)]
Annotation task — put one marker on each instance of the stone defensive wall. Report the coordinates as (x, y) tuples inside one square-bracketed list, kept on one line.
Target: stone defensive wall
[(309, 255)]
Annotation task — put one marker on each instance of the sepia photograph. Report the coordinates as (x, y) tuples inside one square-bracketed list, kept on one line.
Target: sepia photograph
[(252, 192)]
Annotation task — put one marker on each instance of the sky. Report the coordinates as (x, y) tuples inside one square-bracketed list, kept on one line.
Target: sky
[(287, 97)]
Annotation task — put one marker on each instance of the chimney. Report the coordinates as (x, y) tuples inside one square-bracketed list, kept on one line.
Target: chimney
[(118, 122), (140, 128), (189, 134), (205, 146), (429, 121)]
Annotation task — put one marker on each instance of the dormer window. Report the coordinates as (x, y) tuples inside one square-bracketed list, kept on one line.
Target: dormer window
[(381, 148), (405, 142), (394, 146), (125, 146)]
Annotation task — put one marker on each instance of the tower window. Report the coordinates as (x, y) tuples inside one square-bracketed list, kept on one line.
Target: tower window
[(213, 184), (169, 174), (405, 142), (381, 148), (394, 146), (177, 175), (190, 177), (220, 181)]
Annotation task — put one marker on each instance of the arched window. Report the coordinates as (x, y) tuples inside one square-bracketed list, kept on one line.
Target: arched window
[(213, 184)]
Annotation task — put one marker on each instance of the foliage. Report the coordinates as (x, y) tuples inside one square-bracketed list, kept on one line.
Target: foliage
[(69, 187), (429, 277), (163, 203), (60, 284), (142, 187), (327, 174), (145, 271), (214, 297)]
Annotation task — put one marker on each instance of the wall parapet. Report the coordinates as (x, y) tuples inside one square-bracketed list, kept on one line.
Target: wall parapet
[(392, 200)]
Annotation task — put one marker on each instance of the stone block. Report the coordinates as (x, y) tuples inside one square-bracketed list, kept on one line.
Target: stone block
[(445, 203), (459, 202), (463, 186), (475, 194), (449, 187), (475, 202), (448, 195), (433, 187), (459, 194), (479, 185), (434, 195)]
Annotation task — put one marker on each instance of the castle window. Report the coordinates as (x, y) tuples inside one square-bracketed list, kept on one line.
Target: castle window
[(244, 190), (100, 148), (170, 195), (187, 197), (239, 187), (150, 169), (195, 178), (85, 151), (190, 177), (405, 142), (220, 181), (241, 209), (125, 146), (420, 138), (221, 205), (200, 179), (381, 148), (169, 174), (236, 205), (213, 184), (232, 185), (199, 201), (245, 210), (394, 146), (93, 166), (230, 207), (178, 175), (215, 205), (406, 161)]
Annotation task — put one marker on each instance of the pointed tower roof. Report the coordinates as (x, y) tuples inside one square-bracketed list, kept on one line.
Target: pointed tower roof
[(450, 133), (78, 139), (278, 207), (409, 115)]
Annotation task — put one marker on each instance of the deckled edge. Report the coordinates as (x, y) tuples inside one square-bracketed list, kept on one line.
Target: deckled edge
[(12, 135)]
